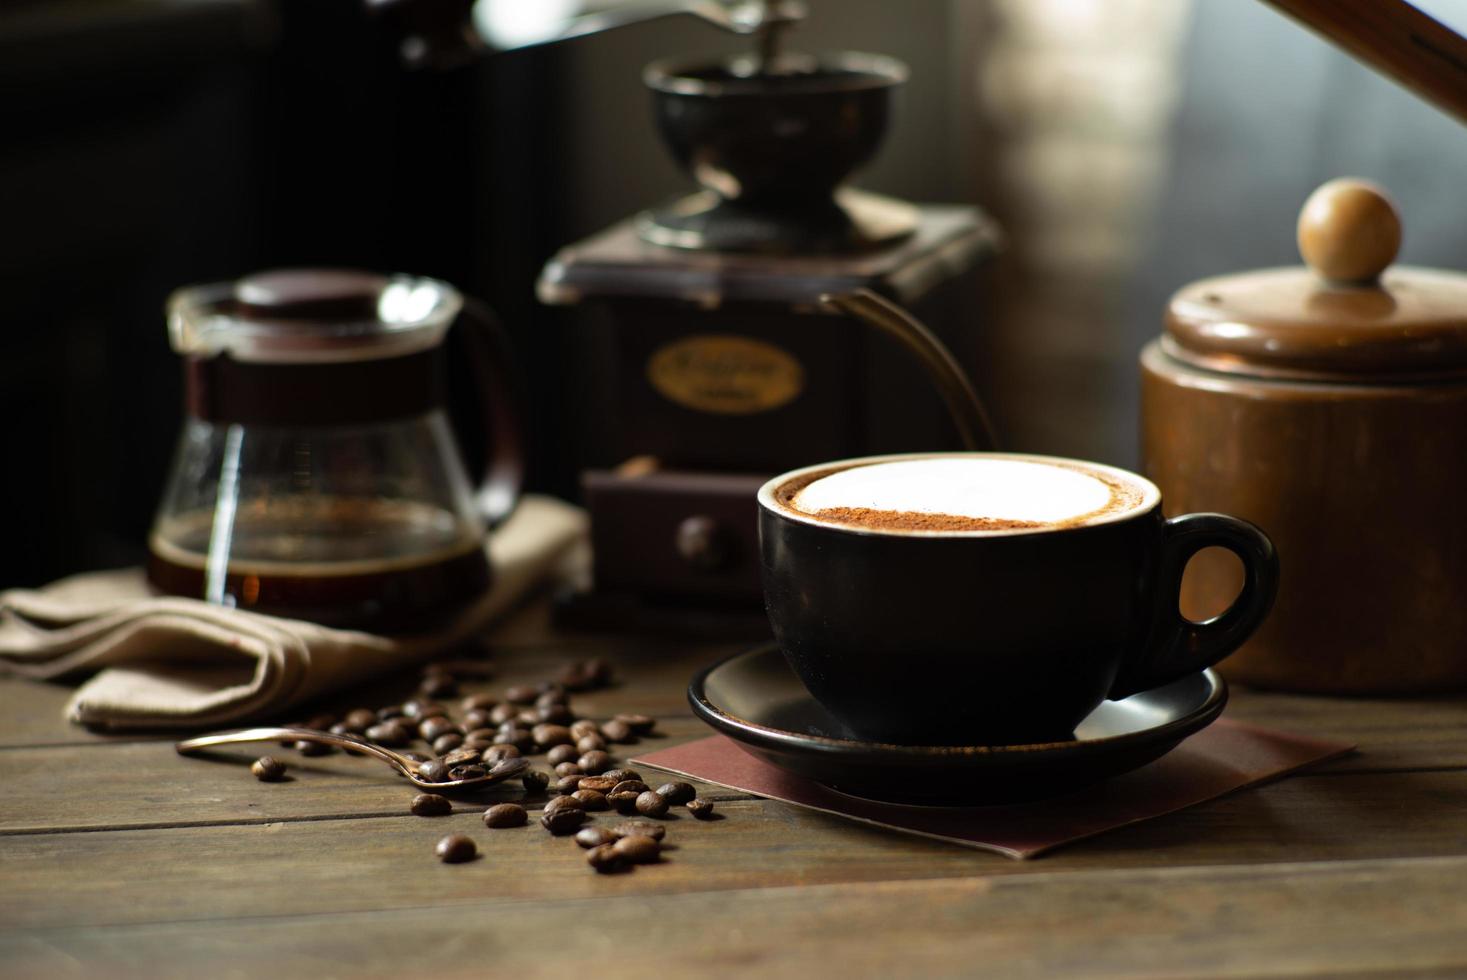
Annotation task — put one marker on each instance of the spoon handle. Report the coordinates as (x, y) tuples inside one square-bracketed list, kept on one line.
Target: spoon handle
[(275, 734)]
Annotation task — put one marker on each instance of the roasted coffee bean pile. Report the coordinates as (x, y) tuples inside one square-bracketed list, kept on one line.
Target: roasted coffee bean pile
[(527, 720)]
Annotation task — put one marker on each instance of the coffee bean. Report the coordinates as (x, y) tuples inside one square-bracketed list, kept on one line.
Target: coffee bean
[(321, 722), (644, 828), (584, 728), (462, 757), (417, 757), (563, 821), (630, 786), (563, 803), (624, 802), (521, 694), (498, 753), (605, 859), (478, 702), (433, 771), (434, 727), (313, 748), (569, 769), (505, 768), (439, 686), (638, 849), (548, 735), (651, 804), (520, 738), (478, 719), (505, 815), (502, 712), (467, 772), (561, 753), (558, 714), (456, 849), (586, 675), (616, 731), (700, 808), (527, 718), (535, 781), (551, 698), (421, 709), (676, 793), (359, 720), (589, 743), (268, 769), (621, 775), (591, 799), (389, 713), (595, 836), (639, 724), (447, 742), (598, 783), (552, 689), (566, 785), (486, 733), (391, 734), (431, 805), (595, 761)]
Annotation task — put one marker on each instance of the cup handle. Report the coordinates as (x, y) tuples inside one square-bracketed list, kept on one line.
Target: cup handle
[(1177, 646), (490, 358)]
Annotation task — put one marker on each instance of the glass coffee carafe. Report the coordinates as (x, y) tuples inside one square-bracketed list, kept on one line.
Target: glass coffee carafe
[(317, 476)]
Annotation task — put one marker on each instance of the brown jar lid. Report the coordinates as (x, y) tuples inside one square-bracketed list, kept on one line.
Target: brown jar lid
[(1346, 317)]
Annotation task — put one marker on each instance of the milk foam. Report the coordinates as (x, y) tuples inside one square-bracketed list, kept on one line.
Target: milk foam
[(991, 489)]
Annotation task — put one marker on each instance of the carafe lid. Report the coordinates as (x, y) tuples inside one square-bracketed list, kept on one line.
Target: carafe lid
[(312, 316), (1348, 316)]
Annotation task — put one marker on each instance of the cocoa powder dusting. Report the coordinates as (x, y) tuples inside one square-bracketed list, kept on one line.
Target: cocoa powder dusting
[(910, 520)]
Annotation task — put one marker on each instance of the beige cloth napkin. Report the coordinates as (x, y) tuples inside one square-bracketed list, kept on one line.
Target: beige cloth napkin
[(184, 663)]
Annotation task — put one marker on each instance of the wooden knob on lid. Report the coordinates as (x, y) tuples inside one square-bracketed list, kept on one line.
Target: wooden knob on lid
[(1349, 231)]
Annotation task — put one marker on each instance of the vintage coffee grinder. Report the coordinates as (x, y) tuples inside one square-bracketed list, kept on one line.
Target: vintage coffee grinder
[(759, 323), (762, 322)]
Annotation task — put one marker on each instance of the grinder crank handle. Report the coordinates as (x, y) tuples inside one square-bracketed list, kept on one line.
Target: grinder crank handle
[(957, 391)]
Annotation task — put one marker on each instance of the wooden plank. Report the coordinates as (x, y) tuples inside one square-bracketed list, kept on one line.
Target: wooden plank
[(1392, 733), (143, 784), (289, 868), (1389, 917)]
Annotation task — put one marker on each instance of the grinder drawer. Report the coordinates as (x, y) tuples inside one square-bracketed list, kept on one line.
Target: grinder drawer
[(675, 533)]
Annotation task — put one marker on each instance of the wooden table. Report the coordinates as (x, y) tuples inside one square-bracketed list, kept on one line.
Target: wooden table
[(119, 857)]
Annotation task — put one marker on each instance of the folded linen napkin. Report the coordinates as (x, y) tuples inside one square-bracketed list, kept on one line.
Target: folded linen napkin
[(184, 663)]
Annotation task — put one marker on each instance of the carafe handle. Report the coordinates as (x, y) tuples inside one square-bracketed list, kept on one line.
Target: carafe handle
[(490, 359), (958, 394)]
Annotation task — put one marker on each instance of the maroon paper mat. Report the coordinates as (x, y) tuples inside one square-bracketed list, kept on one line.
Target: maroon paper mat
[(1224, 757)]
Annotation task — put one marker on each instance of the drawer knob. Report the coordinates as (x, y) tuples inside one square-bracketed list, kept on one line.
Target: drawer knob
[(703, 542)]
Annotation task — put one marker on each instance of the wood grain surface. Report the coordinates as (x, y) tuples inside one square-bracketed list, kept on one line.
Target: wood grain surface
[(119, 857)]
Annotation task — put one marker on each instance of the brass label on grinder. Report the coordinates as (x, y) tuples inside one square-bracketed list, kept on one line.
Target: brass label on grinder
[(725, 374)]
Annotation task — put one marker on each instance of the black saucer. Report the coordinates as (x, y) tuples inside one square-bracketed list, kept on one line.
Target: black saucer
[(755, 699)]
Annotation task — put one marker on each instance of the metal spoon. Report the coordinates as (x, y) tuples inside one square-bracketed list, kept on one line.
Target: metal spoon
[(499, 772)]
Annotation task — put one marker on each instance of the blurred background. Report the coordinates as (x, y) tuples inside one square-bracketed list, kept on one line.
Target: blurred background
[(1126, 147)]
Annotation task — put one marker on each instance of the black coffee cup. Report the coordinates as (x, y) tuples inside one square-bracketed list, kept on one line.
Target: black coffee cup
[(995, 637)]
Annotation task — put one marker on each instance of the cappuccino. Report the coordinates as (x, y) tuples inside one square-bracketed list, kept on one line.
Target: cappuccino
[(963, 493)]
